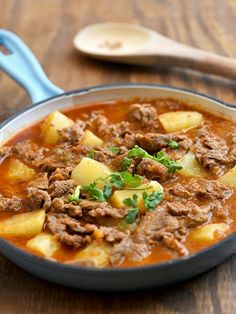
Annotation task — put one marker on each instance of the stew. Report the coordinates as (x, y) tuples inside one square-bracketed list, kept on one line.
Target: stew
[(119, 183)]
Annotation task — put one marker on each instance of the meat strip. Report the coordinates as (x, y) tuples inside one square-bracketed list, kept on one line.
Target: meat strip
[(12, 204), (144, 116)]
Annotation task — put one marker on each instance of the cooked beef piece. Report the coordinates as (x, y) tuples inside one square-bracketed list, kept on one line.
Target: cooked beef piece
[(63, 158), (154, 142), (177, 192), (199, 188), (59, 205), (161, 226), (154, 223), (222, 214), (128, 249), (153, 170), (209, 189), (171, 242), (70, 231), (5, 151), (118, 134), (37, 198), (112, 234), (101, 209), (41, 182), (29, 151), (212, 151), (191, 213), (178, 209), (74, 133), (145, 117), (12, 204), (61, 188), (103, 155), (61, 174), (199, 214)]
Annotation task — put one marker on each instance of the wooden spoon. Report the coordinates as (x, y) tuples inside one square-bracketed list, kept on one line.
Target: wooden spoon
[(134, 44)]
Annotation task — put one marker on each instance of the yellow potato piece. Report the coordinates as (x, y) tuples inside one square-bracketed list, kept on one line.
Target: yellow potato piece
[(52, 124), (191, 167), (208, 232), (90, 139), (44, 243), (23, 225), (229, 178), (180, 120), (120, 195), (17, 171), (95, 254), (88, 170)]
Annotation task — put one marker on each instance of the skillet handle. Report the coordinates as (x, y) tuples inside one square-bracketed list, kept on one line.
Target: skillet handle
[(23, 67)]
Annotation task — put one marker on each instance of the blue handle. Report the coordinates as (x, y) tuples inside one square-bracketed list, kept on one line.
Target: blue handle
[(24, 68)]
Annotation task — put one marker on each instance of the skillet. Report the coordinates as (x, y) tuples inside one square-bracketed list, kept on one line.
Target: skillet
[(22, 66)]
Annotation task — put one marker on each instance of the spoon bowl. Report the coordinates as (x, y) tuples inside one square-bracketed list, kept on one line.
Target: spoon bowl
[(135, 44)]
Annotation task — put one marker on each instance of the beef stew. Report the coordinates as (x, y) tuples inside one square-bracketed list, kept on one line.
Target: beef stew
[(119, 184)]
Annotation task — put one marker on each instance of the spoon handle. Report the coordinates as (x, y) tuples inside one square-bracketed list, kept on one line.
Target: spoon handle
[(169, 52)]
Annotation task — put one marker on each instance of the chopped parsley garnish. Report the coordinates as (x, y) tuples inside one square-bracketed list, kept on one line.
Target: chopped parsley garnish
[(91, 154), (173, 144), (94, 192), (151, 201), (138, 152), (132, 203), (107, 190), (126, 162), (114, 150), (161, 157), (116, 180), (167, 161), (131, 180), (75, 196)]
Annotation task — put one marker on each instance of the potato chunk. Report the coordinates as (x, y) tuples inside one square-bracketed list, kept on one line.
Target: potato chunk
[(90, 139), (209, 232), (119, 195), (23, 225), (44, 243), (95, 254), (88, 170), (191, 167), (180, 120), (17, 171), (229, 178), (52, 124)]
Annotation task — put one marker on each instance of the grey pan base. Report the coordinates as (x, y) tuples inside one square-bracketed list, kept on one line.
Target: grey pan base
[(128, 278)]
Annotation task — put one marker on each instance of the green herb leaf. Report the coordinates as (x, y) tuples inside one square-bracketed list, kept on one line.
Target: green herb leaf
[(131, 216), (131, 201), (75, 196), (114, 150), (97, 194), (117, 180), (91, 154), (161, 157), (107, 190), (167, 161), (138, 152), (90, 186), (131, 180), (126, 162), (173, 144), (151, 201)]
